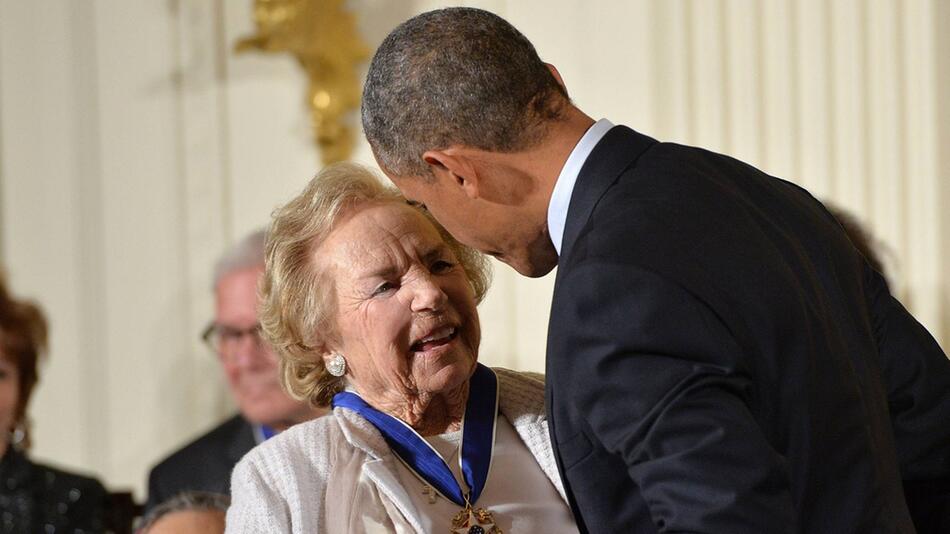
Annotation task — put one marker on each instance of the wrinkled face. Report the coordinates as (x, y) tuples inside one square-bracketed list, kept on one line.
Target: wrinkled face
[(9, 393), (249, 363), (406, 319), (516, 235)]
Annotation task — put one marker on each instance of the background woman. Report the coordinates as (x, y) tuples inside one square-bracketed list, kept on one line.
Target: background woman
[(372, 308), (34, 497)]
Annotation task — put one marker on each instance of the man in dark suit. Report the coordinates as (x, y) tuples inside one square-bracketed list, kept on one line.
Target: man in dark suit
[(720, 357), (253, 378)]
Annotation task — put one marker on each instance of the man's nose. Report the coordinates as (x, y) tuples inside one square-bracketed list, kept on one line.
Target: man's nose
[(246, 351)]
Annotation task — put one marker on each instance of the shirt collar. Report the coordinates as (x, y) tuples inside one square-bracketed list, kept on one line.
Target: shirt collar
[(564, 187), (263, 433)]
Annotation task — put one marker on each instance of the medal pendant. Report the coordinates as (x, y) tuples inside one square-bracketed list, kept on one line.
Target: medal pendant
[(474, 521), (430, 493)]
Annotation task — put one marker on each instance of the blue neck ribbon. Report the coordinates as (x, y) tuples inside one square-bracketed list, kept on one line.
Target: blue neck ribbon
[(267, 432), (478, 439)]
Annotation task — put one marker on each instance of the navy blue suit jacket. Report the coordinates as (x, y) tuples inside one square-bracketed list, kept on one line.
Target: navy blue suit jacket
[(722, 359)]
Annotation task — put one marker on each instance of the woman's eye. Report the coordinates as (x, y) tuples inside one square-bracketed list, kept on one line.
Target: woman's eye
[(383, 288), (441, 266)]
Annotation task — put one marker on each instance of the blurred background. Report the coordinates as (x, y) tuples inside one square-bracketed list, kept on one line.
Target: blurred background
[(136, 144)]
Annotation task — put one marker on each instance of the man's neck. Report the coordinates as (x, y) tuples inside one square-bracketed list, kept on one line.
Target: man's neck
[(545, 161)]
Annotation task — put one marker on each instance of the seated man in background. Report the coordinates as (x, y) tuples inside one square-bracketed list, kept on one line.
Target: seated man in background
[(252, 374), (191, 512)]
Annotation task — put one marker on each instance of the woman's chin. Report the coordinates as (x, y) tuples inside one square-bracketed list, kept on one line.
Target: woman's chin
[(444, 375)]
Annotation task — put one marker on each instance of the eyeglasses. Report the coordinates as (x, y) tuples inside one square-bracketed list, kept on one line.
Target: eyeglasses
[(224, 340)]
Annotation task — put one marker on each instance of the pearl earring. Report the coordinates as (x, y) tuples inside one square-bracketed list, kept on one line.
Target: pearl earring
[(336, 365)]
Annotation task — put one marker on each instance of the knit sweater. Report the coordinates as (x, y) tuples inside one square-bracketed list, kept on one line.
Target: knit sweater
[(337, 474)]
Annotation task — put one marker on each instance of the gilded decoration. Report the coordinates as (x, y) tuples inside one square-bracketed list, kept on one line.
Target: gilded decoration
[(322, 36)]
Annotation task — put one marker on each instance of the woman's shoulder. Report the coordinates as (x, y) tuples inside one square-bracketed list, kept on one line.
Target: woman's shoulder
[(520, 392), (288, 477), (275, 470), (521, 379), (309, 441)]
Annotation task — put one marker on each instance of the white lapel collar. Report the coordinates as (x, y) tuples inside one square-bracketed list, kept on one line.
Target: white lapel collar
[(380, 466)]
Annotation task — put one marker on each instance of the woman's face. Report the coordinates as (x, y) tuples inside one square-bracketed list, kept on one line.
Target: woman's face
[(406, 319), (9, 394)]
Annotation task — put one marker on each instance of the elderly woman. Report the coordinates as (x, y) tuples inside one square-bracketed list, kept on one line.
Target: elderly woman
[(371, 306), (34, 497)]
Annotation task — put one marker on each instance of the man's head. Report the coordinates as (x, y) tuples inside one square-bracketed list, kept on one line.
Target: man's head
[(455, 107), (249, 363), (187, 513)]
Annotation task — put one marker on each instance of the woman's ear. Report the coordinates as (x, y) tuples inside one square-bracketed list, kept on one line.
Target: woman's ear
[(453, 167), (335, 363)]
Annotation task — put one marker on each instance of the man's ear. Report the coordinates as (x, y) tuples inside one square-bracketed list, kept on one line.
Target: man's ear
[(557, 76), (453, 168)]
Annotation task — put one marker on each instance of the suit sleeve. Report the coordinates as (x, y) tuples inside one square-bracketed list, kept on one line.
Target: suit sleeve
[(660, 382), (917, 376)]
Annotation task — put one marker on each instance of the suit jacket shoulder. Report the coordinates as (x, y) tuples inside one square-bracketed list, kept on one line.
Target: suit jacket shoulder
[(205, 464)]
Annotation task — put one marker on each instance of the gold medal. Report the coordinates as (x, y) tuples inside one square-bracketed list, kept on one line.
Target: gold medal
[(471, 520)]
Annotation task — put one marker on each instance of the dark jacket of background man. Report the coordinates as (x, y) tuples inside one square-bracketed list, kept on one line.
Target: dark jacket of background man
[(205, 464)]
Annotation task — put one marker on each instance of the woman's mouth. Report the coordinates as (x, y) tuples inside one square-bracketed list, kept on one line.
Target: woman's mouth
[(439, 337)]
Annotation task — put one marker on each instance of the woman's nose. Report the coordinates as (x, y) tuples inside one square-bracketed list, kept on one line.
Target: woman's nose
[(427, 295)]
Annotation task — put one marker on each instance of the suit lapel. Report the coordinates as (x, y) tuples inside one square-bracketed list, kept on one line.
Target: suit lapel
[(617, 151), (243, 441)]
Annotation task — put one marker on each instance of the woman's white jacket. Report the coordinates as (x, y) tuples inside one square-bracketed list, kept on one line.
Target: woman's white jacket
[(336, 473)]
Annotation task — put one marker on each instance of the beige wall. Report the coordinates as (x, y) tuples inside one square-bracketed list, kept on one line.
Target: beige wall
[(134, 146)]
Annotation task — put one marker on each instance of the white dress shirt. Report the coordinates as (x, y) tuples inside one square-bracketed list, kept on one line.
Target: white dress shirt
[(564, 187)]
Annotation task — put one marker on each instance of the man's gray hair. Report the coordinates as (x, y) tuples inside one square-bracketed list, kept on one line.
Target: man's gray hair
[(456, 76), (184, 501), (245, 254)]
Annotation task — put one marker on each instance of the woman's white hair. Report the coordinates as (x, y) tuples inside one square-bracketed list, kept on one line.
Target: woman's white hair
[(298, 301)]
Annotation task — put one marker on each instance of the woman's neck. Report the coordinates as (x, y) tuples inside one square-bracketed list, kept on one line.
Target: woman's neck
[(428, 414)]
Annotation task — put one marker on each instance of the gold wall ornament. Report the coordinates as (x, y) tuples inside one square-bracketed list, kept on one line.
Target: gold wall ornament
[(323, 38)]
